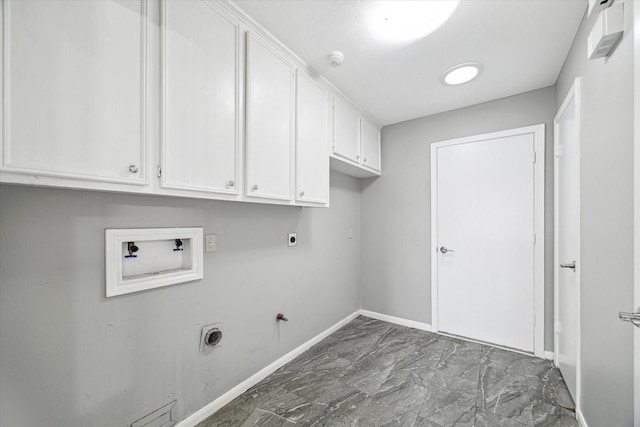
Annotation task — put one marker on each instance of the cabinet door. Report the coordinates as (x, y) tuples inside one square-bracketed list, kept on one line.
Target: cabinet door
[(74, 94), (370, 145), (346, 130), (312, 131), (269, 121), (200, 51)]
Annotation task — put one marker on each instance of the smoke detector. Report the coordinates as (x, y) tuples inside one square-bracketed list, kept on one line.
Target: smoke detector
[(335, 59)]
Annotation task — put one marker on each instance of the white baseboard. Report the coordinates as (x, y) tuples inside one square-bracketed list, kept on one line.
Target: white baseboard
[(580, 418), (549, 355), (209, 409), (396, 320)]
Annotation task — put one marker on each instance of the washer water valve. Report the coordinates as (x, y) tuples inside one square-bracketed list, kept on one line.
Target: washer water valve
[(280, 316)]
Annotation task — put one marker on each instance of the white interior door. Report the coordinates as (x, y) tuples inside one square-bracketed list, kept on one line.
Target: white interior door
[(485, 242), (567, 239)]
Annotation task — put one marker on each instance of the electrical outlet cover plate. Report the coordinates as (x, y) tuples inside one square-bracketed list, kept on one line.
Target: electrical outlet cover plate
[(293, 239)]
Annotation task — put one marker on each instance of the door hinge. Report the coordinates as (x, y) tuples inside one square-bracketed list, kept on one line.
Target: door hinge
[(556, 151), (535, 156), (534, 238), (159, 172)]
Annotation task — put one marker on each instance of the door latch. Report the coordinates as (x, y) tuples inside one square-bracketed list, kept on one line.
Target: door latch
[(572, 266)]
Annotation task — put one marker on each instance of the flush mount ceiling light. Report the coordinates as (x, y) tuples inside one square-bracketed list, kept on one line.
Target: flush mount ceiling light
[(404, 21), (461, 73)]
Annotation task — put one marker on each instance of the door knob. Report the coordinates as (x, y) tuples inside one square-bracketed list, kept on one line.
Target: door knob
[(445, 250), (571, 266)]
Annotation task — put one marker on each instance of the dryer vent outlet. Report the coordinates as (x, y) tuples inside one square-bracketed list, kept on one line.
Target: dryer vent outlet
[(211, 336)]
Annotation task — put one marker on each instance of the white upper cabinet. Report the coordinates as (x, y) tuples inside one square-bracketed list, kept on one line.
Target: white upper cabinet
[(200, 98), (75, 81), (370, 145), (356, 141), (346, 130), (312, 137), (175, 97), (269, 136)]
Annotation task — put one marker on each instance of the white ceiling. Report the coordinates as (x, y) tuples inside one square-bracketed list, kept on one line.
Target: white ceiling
[(521, 43)]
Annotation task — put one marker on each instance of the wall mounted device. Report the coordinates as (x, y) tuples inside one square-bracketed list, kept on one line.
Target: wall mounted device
[(146, 258), (597, 6), (606, 32), (293, 239), (335, 59)]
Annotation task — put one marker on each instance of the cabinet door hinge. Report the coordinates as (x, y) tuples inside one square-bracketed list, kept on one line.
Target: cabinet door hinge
[(535, 156), (534, 239), (159, 172)]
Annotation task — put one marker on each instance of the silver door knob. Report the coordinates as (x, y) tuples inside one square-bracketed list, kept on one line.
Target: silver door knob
[(302, 194), (133, 169), (571, 266), (445, 250), (255, 187), (231, 183)]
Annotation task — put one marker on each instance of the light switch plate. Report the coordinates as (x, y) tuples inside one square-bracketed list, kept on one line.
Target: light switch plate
[(210, 243)]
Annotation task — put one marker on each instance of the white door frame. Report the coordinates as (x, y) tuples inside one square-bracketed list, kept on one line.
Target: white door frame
[(636, 225), (538, 218), (572, 98)]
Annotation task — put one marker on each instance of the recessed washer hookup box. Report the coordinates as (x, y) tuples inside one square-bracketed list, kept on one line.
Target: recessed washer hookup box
[(138, 259)]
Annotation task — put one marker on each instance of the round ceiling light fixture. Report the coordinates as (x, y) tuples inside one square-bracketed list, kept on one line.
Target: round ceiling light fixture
[(403, 21), (461, 73)]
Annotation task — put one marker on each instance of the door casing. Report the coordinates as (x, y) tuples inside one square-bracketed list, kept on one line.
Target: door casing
[(538, 132)]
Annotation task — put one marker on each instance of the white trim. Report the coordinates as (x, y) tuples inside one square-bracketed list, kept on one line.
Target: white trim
[(396, 320), (549, 355), (636, 225), (209, 409), (580, 418), (538, 285), (572, 96)]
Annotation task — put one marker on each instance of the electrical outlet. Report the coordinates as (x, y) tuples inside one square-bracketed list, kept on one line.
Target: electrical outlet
[(210, 243), (293, 239)]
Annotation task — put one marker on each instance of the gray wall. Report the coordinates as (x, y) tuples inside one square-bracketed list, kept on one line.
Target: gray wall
[(71, 357), (396, 214), (606, 224)]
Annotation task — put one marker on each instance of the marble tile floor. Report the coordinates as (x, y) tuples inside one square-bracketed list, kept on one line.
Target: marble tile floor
[(374, 373)]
